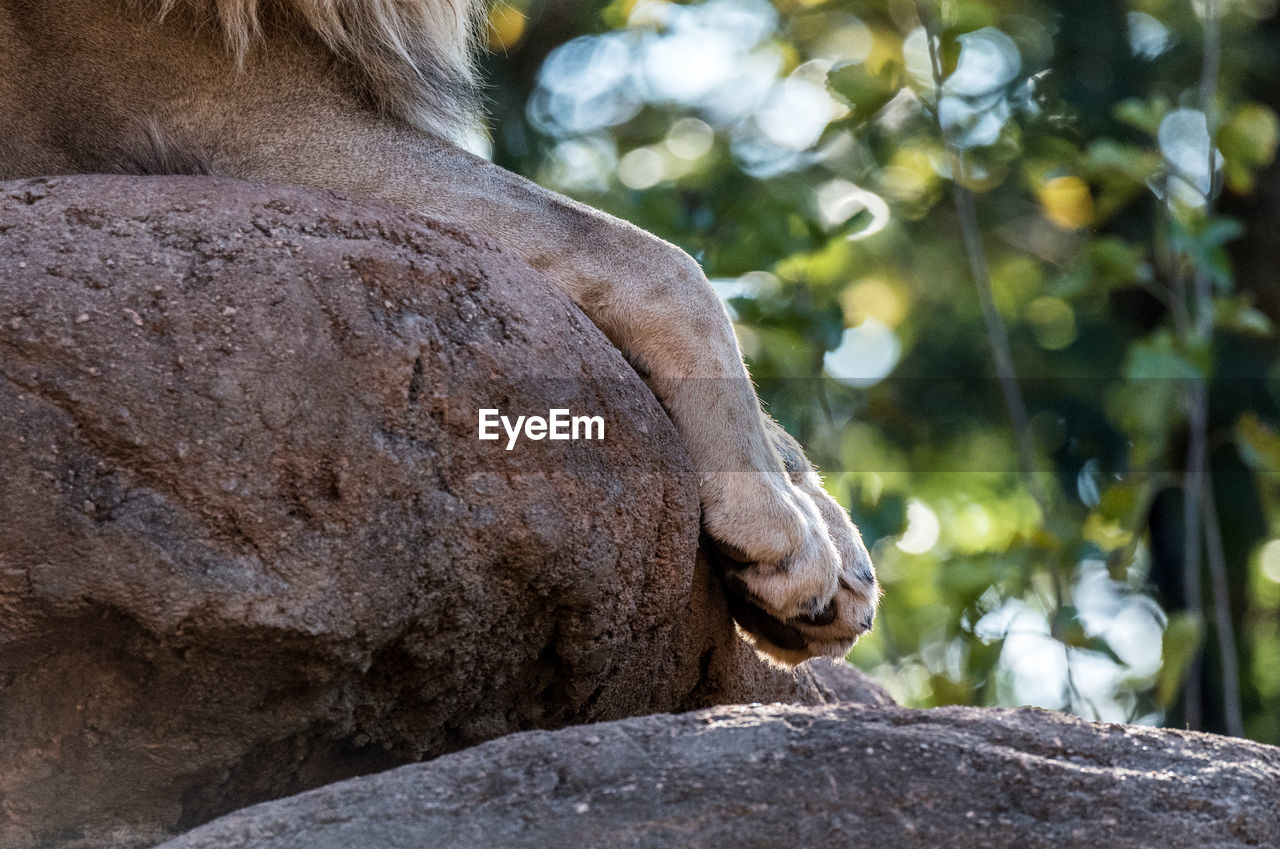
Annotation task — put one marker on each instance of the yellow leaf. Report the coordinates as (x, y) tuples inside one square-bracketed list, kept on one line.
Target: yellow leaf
[(1249, 143), (1067, 202)]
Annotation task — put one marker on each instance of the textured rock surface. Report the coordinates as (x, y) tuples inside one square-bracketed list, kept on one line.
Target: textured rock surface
[(768, 777), (249, 542)]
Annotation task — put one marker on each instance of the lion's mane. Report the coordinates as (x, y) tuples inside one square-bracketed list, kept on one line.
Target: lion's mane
[(416, 56)]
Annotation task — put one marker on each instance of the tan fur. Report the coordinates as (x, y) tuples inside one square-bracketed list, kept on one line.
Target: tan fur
[(417, 56), (360, 95)]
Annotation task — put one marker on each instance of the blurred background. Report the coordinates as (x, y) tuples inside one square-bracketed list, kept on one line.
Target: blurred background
[(1010, 271)]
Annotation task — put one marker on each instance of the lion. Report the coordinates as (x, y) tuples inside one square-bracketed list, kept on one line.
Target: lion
[(371, 97)]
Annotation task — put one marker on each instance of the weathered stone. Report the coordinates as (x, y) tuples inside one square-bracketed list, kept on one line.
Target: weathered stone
[(766, 777), (249, 541)]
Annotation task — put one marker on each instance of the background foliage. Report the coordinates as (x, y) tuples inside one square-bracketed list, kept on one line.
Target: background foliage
[(1072, 495)]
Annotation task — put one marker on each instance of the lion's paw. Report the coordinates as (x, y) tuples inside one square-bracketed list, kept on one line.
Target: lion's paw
[(799, 578)]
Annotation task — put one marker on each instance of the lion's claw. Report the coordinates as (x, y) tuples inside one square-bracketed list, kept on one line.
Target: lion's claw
[(825, 615)]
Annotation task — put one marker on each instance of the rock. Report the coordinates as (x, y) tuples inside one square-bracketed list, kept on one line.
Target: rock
[(765, 777), (249, 540)]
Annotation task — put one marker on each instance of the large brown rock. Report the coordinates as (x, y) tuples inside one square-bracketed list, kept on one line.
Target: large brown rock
[(249, 541), (803, 778)]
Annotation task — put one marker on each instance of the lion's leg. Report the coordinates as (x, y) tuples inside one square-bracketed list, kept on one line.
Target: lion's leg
[(807, 575)]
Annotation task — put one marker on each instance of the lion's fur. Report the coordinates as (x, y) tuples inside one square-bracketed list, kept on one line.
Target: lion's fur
[(416, 55)]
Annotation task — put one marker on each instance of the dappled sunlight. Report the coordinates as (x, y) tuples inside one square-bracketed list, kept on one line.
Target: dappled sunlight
[(922, 530), (1269, 560), (1148, 38), (839, 201), (714, 58), (866, 354), (1184, 141)]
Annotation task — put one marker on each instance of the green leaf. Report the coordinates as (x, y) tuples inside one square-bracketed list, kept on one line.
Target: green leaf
[(1259, 443), (867, 93), (1238, 315), (1144, 115), (1102, 647), (1148, 404), (1067, 628), (967, 579), (1205, 243), (1248, 142), (1115, 261), (1108, 159), (1118, 172), (1219, 231), (861, 220), (1157, 358), (946, 691), (1119, 502), (1180, 643)]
